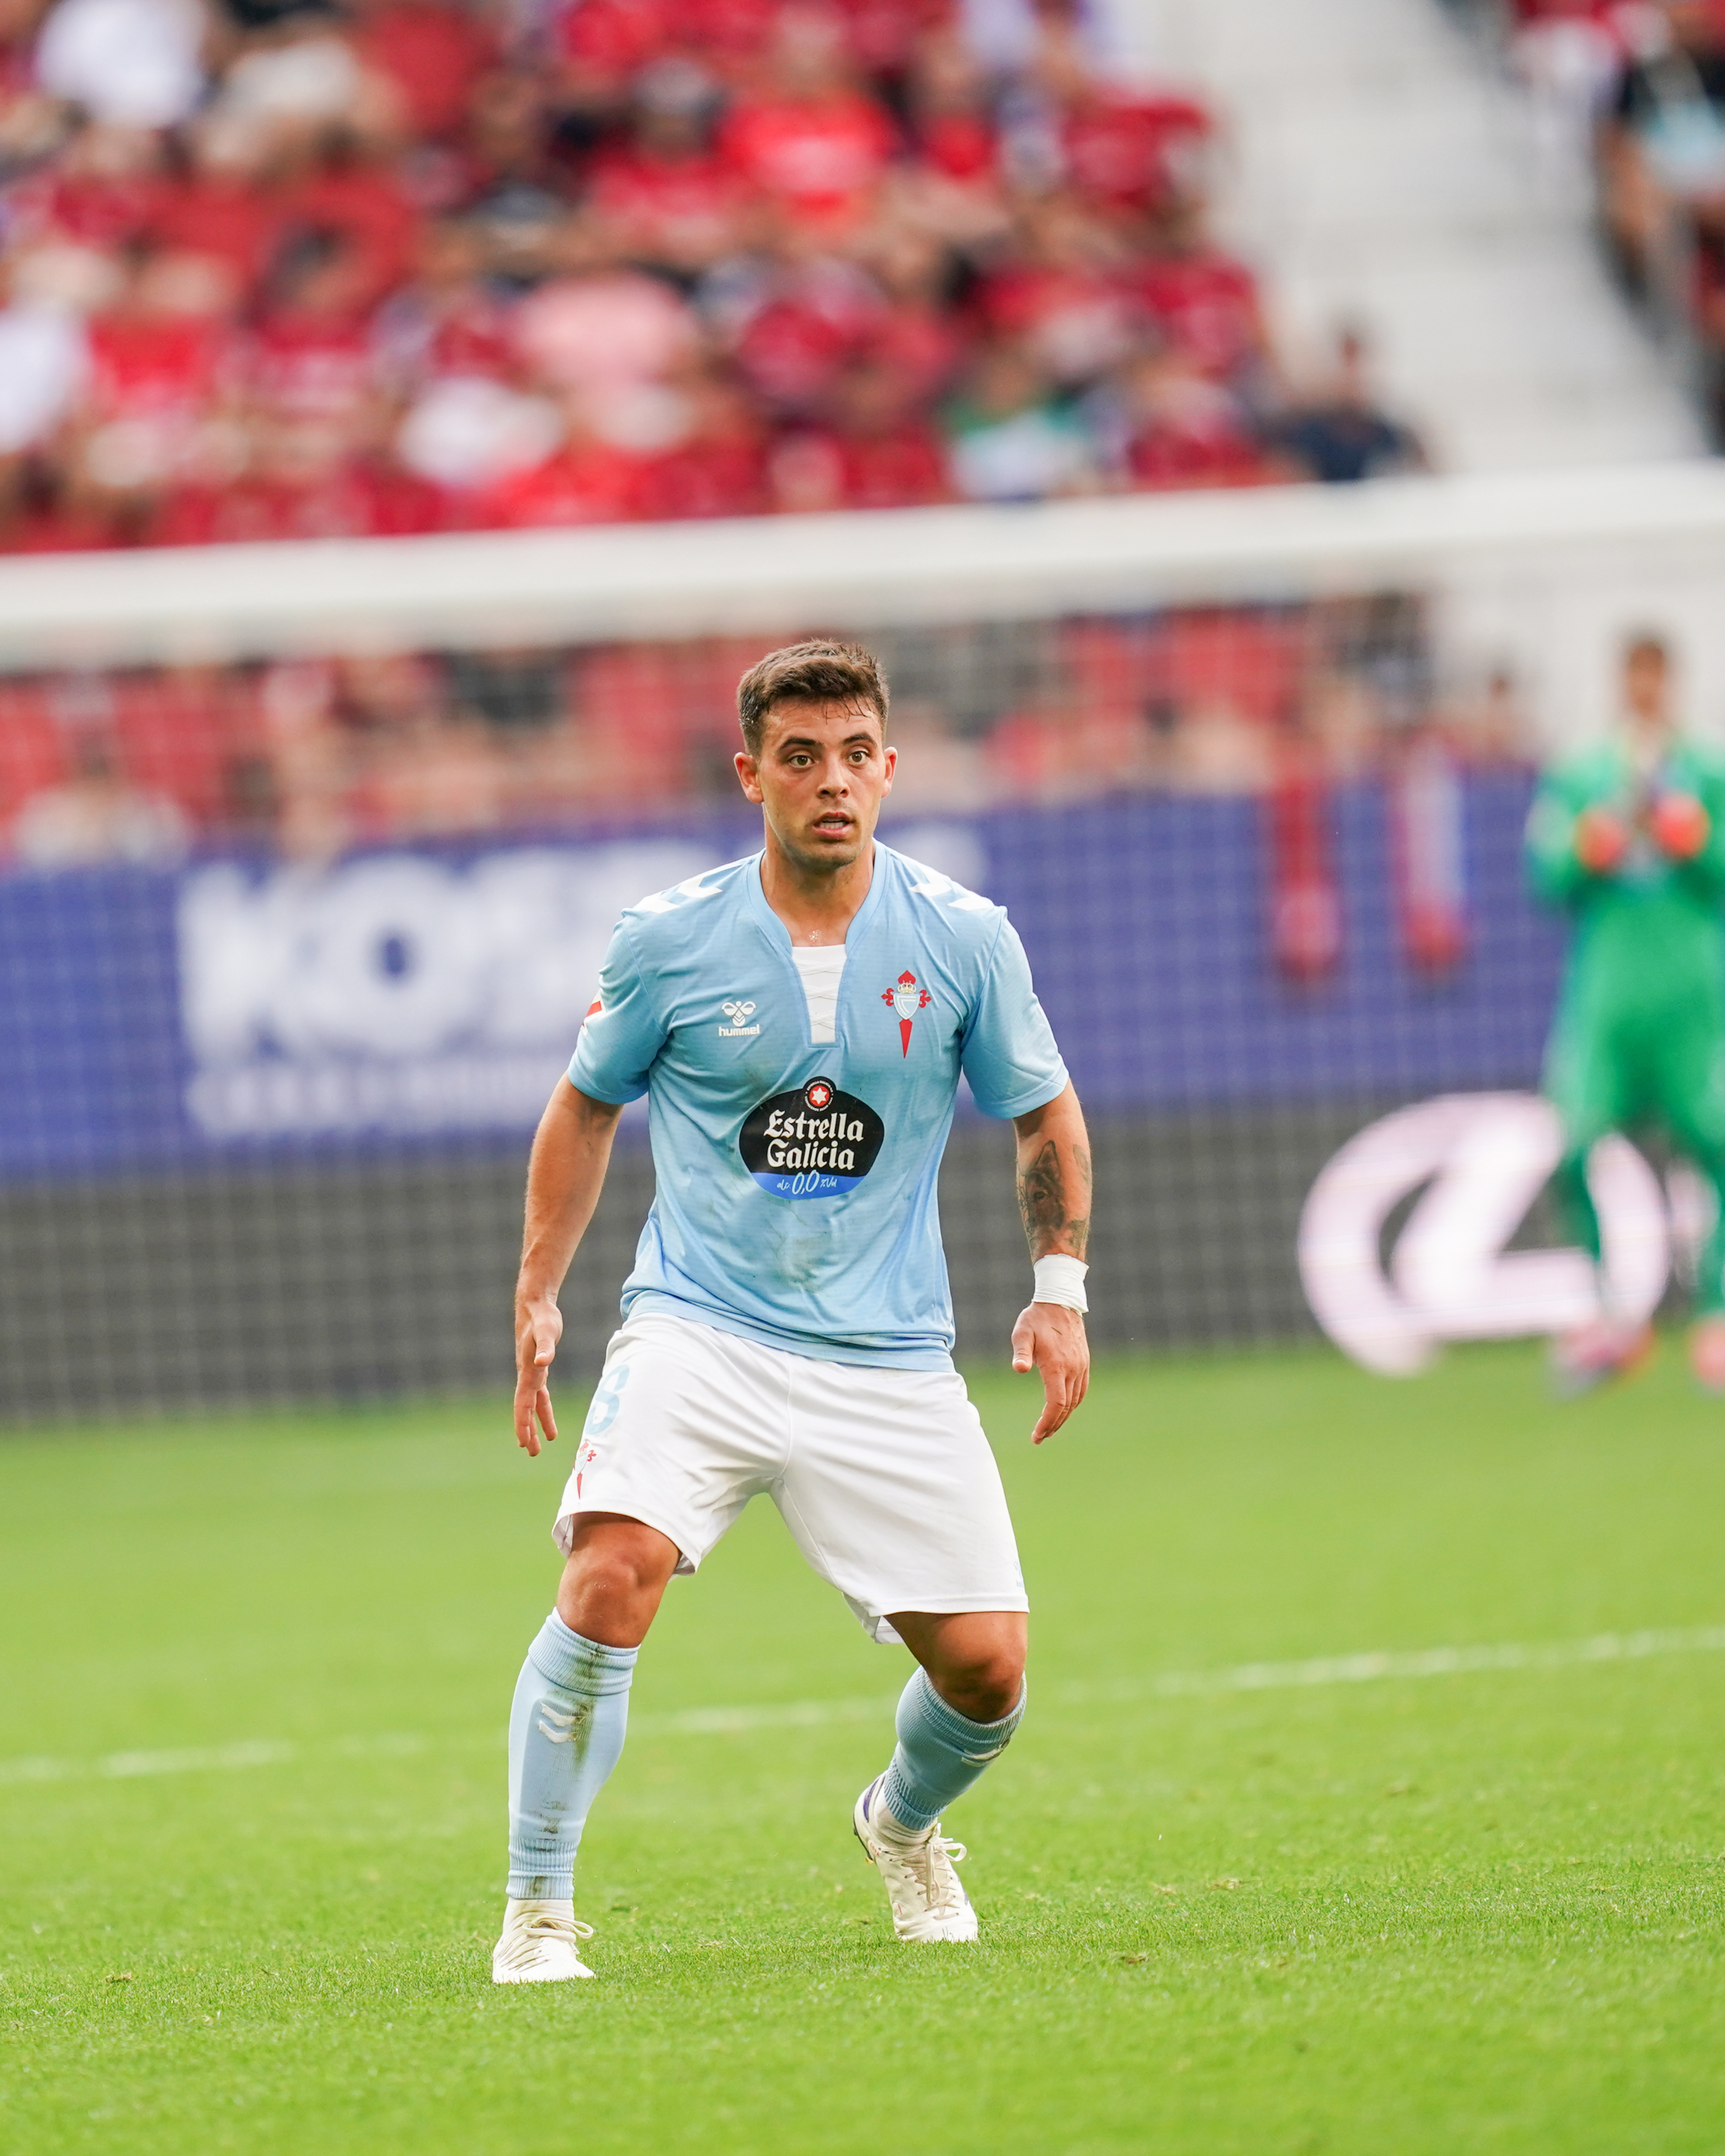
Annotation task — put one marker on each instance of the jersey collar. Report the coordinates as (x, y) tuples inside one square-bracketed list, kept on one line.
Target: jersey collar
[(774, 928)]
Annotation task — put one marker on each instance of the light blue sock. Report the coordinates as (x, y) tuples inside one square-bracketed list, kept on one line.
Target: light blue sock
[(565, 1735), (940, 1753)]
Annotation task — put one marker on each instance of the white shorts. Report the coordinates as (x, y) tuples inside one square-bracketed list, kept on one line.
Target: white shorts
[(883, 1477)]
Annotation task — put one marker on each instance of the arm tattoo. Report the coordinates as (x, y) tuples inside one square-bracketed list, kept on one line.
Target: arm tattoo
[(1049, 1210)]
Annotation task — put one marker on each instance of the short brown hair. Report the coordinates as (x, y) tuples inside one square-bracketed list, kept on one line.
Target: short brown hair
[(816, 672), (1645, 643)]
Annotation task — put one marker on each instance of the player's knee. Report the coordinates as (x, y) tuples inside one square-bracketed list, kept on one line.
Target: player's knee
[(611, 1583), (609, 1577), (608, 1605), (985, 1687)]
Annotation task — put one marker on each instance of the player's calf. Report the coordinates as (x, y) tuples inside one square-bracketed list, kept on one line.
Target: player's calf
[(566, 1731), (940, 1754)]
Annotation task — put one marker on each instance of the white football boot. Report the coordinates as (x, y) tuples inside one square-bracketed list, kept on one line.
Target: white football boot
[(927, 1901), (541, 1944)]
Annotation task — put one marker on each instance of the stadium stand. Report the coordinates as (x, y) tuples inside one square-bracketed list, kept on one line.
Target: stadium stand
[(287, 272), (1642, 87), (291, 271)]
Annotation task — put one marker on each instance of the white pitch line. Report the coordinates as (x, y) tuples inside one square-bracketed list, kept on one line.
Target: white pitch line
[(1436, 1662), (788, 1714), (123, 1766), (1370, 1668)]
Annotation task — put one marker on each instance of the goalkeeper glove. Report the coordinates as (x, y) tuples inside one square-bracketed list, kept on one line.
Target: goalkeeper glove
[(1679, 825), (1601, 840)]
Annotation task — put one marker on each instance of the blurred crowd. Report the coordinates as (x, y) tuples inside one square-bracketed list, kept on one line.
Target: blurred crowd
[(281, 269), (292, 268), (309, 759), (1639, 86)]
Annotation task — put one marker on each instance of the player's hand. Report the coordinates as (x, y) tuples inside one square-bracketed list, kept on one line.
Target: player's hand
[(1679, 825), (538, 1327), (1601, 840), (1050, 1338)]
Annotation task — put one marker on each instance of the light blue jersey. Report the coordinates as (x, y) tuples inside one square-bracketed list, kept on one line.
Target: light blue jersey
[(796, 1161)]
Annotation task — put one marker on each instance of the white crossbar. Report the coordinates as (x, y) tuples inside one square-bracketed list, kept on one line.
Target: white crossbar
[(768, 575)]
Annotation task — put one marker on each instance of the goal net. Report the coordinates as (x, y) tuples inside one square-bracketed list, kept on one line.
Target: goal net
[(313, 853)]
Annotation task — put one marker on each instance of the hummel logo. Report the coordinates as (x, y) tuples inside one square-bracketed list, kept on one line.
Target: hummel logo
[(561, 1725), (739, 1014)]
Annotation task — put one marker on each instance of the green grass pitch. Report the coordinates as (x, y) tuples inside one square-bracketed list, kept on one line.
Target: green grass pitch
[(1473, 1911)]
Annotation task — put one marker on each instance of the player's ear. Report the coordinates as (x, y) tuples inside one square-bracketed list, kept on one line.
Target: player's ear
[(748, 776), (890, 757)]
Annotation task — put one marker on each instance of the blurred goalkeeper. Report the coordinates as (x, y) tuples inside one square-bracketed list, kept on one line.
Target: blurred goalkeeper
[(1630, 838)]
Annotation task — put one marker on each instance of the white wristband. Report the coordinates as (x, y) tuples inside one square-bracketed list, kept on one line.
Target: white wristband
[(1061, 1279)]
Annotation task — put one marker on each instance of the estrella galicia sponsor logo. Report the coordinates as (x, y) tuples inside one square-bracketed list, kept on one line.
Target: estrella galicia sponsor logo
[(813, 1142), (739, 1029)]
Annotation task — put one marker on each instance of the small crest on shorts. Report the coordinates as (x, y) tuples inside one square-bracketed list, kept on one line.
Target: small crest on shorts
[(907, 997)]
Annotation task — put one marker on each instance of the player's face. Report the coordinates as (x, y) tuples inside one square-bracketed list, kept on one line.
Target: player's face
[(1646, 686), (822, 771)]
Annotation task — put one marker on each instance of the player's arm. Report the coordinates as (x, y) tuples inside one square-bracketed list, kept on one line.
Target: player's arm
[(1572, 842), (572, 1151), (1054, 1182)]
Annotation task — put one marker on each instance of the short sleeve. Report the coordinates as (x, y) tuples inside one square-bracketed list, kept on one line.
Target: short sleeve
[(1009, 1055), (622, 1033)]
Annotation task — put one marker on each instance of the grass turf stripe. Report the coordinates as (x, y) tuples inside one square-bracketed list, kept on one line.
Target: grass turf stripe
[(1372, 1667)]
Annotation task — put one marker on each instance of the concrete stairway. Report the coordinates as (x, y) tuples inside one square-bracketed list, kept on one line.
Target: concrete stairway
[(1382, 171)]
